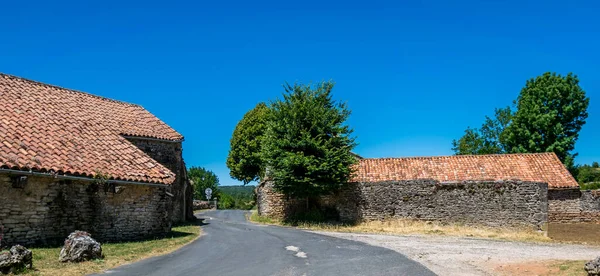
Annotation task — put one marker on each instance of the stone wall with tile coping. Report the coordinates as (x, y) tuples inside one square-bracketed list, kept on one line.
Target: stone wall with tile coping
[(493, 203), (46, 210)]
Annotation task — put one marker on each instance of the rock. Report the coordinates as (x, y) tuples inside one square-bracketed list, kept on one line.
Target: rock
[(17, 258), (593, 267), (79, 247)]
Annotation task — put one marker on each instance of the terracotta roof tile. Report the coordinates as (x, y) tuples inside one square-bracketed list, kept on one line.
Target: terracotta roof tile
[(45, 127), (542, 167)]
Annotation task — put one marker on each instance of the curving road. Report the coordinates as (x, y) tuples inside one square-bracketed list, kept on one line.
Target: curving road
[(232, 246)]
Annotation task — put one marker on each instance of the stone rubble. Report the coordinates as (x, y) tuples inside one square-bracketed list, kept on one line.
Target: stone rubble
[(17, 258), (79, 247)]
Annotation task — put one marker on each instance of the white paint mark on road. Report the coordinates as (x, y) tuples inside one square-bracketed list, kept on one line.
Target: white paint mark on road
[(292, 248), (301, 254)]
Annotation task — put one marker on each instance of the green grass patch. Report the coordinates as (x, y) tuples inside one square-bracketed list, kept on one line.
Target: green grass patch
[(255, 217), (571, 268), (45, 260)]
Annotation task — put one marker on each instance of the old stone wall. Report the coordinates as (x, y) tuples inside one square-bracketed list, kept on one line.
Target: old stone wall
[(46, 210), (494, 203), (573, 206), (169, 154), (269, 202)]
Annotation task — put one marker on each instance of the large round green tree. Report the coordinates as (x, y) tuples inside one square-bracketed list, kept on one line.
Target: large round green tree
[(551, 110), (244, 160), (307, 146)]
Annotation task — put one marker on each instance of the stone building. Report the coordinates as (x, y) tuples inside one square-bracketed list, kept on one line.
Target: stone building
[(74, 161), (497, 189)]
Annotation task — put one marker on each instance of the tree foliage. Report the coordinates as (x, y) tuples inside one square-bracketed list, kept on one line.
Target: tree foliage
[(237, 197), (244, 160), (307, 145), (587, 174), (203, 179), (488, 138), (550, 111)]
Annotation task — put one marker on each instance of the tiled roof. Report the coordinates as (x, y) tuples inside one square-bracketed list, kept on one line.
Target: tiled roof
[(48, 128), (540, 167)]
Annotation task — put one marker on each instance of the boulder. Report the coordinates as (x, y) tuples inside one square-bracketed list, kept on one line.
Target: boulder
[(79, 247), (17, 258), (593, 267)]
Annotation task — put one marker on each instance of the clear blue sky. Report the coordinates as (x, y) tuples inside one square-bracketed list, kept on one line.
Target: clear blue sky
[(414, 73)]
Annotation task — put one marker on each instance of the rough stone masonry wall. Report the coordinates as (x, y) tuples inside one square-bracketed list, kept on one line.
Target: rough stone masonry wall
[(495, 203), (46, 210), (270, 203), (573, 206), (169, 154)]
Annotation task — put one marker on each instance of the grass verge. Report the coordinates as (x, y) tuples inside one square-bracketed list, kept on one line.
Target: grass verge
[(404, 227), (561, 268), (45, 260)]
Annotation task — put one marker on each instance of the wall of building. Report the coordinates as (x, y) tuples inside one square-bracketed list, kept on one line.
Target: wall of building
[(495, 203), (46, 210), (573, 206), (169, 154)]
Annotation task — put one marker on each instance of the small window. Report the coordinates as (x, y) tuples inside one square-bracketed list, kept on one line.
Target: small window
[(19, 182)]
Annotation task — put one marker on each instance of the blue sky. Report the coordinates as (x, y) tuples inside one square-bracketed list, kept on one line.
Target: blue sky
[(414, 73)]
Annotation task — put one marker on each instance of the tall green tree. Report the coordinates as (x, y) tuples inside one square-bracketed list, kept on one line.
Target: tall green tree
[(485, 140), (245, 160), (307, 145), (203, 179), (551, 109)]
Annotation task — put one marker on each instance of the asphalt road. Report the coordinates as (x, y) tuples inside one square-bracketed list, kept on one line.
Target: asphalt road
[(232, 246)]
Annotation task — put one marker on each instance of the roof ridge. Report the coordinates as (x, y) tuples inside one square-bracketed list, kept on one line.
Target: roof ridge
[(69, 90), (458, 156)]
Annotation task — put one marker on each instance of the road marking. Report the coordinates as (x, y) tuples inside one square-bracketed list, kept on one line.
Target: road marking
[(292, 248), (299, 253)]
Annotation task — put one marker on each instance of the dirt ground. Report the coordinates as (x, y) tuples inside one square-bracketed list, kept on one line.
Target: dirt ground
[(471, 256), (589, 233), (554, 268)]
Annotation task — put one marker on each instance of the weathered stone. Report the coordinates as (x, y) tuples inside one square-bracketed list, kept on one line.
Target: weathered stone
[(17, 258), (79, 247), (85, 206), (573, 206), (593, 267), (169, 154), (493, 203)]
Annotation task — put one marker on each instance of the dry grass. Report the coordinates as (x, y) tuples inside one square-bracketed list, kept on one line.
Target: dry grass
[(45, 260), (405, 227), (561, 268)]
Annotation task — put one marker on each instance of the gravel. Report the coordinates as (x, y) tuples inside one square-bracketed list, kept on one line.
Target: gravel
[(470, 256)]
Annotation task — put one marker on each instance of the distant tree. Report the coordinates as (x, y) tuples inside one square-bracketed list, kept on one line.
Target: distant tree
[(551, 110), (488, 138), (203, 179), (588, 174), (237, 197), (244, 160), (226, 201), (307, 145)]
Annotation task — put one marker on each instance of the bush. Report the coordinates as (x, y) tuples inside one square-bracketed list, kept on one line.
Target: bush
[(590, 186)]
